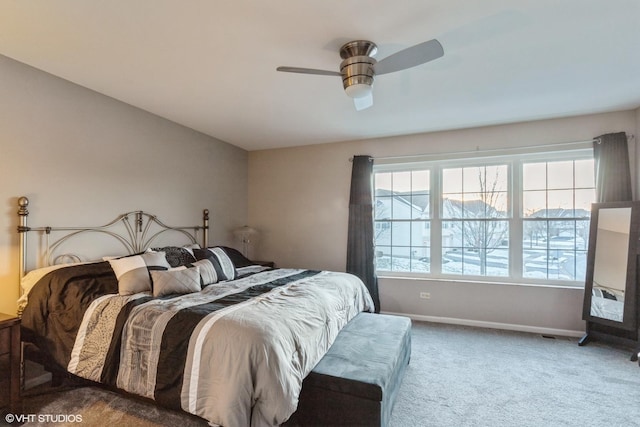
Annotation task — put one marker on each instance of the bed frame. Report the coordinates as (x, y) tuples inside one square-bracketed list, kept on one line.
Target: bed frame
[(135, 230), (360, 380)]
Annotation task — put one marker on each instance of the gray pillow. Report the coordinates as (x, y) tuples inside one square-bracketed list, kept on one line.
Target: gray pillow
[(176, 281)]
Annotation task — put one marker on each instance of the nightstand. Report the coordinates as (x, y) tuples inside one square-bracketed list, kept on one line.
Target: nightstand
[(10, 364)]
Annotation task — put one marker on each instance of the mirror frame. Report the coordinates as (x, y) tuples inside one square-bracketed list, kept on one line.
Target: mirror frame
[(629, 317)]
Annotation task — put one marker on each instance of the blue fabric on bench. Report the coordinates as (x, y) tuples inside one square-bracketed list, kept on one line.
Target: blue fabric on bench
[(359, 377)]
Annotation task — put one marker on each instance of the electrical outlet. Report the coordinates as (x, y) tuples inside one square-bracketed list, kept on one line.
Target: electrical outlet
[(425, 295)]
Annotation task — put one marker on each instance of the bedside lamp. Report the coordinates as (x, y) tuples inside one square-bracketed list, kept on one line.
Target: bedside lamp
[(246, 234)]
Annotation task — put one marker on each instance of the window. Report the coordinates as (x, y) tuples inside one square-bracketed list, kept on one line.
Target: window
[(520, 218), (557, 199), (402, 220), (475, 229)]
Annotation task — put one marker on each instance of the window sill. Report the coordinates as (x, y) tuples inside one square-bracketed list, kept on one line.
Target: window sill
[(483, 281)]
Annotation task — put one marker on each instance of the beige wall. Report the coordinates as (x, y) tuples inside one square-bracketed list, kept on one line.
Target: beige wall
[(298, 199), (83, 158)]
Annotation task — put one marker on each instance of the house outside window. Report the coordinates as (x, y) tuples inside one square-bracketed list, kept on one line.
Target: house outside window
[(513, 218)]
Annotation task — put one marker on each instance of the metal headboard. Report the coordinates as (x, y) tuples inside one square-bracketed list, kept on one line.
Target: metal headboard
[(138, 234)]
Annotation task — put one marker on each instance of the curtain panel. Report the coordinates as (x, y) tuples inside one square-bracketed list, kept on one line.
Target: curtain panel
[(613, 176), (360, 243)]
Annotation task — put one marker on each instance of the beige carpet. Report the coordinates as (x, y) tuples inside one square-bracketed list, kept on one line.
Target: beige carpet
[(458, 376)]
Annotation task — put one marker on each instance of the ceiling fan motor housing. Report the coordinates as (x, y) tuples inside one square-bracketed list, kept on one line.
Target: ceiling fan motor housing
[(357, 67), (357, 70)]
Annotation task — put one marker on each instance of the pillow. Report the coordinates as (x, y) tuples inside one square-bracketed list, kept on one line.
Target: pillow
[(218, 256), (210, 270), (177, 256), (176, 281), (236, 257), (133, 271)]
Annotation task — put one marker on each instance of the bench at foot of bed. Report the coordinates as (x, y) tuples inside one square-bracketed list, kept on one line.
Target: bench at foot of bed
[(356, 382)]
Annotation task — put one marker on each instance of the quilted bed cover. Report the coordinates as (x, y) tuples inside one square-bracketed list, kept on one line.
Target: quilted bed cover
[(235, 353)]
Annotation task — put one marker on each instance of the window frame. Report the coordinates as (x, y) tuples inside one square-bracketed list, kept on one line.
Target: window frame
[(515, 217)]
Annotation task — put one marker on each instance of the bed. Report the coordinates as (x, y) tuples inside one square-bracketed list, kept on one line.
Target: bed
[(192, 327)]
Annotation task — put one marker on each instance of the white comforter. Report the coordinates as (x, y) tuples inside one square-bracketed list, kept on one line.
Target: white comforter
[(245, 363)]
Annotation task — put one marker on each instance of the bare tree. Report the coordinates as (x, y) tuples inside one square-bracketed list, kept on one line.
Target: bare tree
[(534, 229), (483, 227)]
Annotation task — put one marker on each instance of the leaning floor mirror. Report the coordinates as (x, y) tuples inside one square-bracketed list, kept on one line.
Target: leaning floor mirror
[(610, 302)]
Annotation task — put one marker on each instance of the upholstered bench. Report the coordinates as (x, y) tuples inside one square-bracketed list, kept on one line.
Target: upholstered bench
[(356, 382)]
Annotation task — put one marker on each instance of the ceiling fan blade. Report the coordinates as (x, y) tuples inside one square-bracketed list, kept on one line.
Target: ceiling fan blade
[(363, 102), (410, 57), (308, 71)]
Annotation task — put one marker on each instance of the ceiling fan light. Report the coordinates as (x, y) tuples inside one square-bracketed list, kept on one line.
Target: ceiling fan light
[(357, 76), (359, 90)]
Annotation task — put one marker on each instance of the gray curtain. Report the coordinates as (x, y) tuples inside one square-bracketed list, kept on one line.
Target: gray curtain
[(360, 244), (613, 177)]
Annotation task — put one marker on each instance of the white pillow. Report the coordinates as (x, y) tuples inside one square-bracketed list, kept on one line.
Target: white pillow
[(176, 281), (133, 271)]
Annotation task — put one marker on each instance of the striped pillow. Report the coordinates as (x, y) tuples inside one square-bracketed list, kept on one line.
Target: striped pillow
[(218, 257), (210, 270), (132, 272)]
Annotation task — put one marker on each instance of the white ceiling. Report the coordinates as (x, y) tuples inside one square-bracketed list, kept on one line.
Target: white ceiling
[(211, 64)]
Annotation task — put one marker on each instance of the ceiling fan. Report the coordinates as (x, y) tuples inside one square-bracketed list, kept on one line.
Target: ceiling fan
[(358, 67)]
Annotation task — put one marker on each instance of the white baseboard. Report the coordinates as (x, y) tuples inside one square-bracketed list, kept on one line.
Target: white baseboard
[(492, 325)]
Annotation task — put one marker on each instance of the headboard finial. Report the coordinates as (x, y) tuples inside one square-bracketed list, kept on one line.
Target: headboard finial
[(23, 213), (23, 202), (205, 228)]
